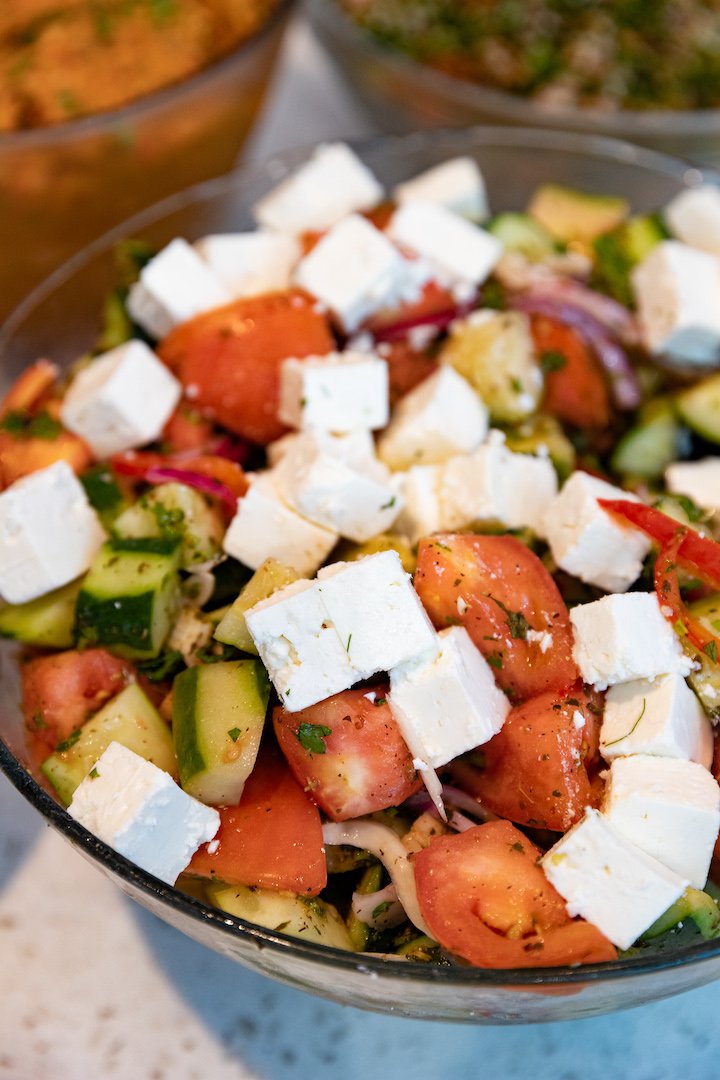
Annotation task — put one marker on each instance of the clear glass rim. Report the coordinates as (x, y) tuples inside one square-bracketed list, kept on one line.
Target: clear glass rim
[(98, 123), (196, 910)]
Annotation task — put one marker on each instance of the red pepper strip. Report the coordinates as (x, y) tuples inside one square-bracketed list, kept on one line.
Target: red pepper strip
[(698, 554), (667, 587)]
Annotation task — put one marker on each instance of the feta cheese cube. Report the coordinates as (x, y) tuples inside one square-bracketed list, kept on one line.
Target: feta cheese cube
[(668, 808), (49, 533), (587, 542), (340, 392), (376, 612), (357, 504), (300, 646), (694, 217), (447, 704), (121, 400), (173, 287), (355, 448), (677, 290), (250, 263), (624, 637), (663, 717), (421, 514), (456, 184), (441, 417), (607, 880), (699, 480), (333, 183), (354, 270), (459, 252), (138, 809), (265, 527)]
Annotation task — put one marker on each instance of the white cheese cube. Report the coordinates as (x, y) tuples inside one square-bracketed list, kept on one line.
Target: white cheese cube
[(677, 290), (250, 263), (376, 612), (49, 533), (588, 542), (693, 216), (333, 183), (457, 185), (607, 880), (441, 417), (138, 809), (421, 514), (495, 484), (299, 645), (121, 400), (668, 808), (447, 704), (699, 480), (264, 527), (354, 270), (355, 448), (356, 503), (663, 717), (624, 637), (340, 392), (459, 252), (173, 287)]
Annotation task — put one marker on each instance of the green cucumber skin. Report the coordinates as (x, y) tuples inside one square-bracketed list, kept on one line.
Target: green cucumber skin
[(699, 407), (47, 621), (185, 726)]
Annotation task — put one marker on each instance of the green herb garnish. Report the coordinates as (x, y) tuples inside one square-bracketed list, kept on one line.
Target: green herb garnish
[(311, 737)]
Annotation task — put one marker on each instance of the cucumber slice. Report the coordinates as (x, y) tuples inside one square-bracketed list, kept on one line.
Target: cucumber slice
[(699, 407), (175, 512), (129, 719), (104, 493), (267, 579), (705, 681), (619, 250), (544, 432), (129, 596), (47, 621), (218, 717), (350, 552), (299, 917), (649, 447), (569, 215), (693, 904), (520, 232)]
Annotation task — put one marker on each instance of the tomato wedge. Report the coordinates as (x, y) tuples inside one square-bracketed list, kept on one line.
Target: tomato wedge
[(30, 388), (485, 898), (576, 391), (502, 594), (272, 839)]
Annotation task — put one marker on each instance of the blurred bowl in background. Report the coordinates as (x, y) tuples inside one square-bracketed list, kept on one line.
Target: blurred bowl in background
[(401, 94), (63, 185)]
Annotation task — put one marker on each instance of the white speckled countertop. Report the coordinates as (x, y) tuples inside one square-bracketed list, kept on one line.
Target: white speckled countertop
[(93, 987)]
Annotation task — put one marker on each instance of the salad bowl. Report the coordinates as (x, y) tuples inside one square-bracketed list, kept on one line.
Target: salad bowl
[(61, 320)]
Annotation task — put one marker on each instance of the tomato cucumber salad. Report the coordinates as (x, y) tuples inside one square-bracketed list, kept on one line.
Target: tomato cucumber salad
[(365, 576)]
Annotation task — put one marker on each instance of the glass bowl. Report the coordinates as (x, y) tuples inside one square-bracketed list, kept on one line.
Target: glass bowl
[(402, 95), (60, 320), (62, 186)]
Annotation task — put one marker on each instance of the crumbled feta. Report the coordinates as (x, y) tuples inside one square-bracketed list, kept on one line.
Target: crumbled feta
[(699, 480), (333, 183), (458, 251), (662, 717), (138, 809), (668, 808), (340, 392), (421, 513), (121, 400), (355, 448), (694, 217), (624, 637), (250, 263), (543, 638), (49, 533), (173, 287), (456, 184)]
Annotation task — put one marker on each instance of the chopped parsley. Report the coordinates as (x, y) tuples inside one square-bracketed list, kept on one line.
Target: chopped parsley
[(347, 647), (66, 744), (711, 650), (495, 661), (93, 774), (38, 722), (161, 667), (380, 701), (234, 733), (551, 360), (517, 623), (381, 908), (169, 519), (632, 729), (311, 737), (389, 504), (41, 426)]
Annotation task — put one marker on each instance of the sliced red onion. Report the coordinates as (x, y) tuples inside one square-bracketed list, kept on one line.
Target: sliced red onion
[(611, 314), (236, 450), (437, 321), (459, 822), (162, 474), (456, 797), (624, 383), (365, 906)]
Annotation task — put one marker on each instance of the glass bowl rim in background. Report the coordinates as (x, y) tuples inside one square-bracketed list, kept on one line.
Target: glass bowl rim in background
[(327, 959)]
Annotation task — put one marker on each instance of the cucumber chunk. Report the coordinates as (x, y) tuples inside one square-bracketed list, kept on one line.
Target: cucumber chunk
[(544, 433), (706, 680), (298, 916), (569, 215), (218, 717), (619, 250), (348, 551), (649, 447), (693, 904), (129, 596), (267, 579), (699, 407), (47, 621), (129, 719), (175, 512), (520, 232)]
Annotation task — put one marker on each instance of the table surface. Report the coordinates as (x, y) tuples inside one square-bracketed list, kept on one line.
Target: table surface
[(93, 987)]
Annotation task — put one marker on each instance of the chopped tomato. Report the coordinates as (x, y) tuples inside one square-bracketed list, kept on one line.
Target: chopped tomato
[(229, 359), (502, 594), (486, 899), (347, 751), (29, 390), (576, 391), (434, 307), (61, 691), (407, 367), (272, 839), (539, 769), (187, 430), (22, 456)]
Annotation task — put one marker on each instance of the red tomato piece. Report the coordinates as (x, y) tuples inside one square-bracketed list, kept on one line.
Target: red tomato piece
[(347, 751), (539, 769), (61, 691), (577, 392), (22, 456), (187, 430), (499, 590), (485, 898), (231, 358), (272, 839), (407, 368)]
